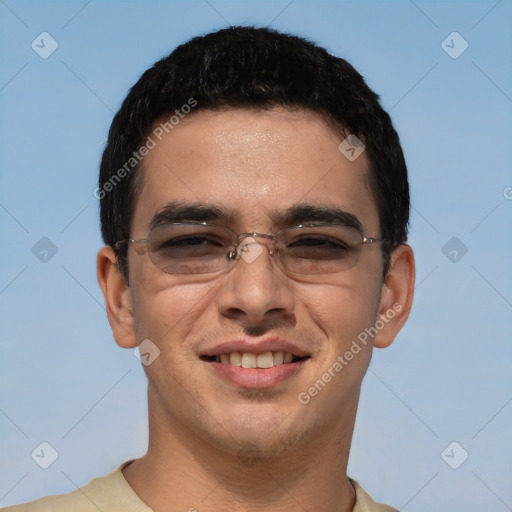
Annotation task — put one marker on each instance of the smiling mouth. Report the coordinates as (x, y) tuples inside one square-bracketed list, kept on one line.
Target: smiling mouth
[(261, 361)]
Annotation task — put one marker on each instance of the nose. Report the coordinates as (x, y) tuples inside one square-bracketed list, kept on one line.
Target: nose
[(255, 291)]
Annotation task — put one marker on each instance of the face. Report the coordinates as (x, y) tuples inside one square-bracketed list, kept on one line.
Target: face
[(254, 168)]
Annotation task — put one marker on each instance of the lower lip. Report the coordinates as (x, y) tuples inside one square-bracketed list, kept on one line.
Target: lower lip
[(257, 377)]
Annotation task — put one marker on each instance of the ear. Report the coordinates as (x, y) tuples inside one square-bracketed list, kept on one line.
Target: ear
[(396, 298), (117, 296)]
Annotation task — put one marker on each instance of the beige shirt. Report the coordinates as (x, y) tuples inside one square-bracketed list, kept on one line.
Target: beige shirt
[(112, 493)]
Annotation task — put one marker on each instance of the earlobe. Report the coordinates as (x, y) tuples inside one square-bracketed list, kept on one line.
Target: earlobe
[(117, 297), (397, 296)]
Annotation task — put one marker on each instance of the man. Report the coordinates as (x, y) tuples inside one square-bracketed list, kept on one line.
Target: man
[(254, 206)]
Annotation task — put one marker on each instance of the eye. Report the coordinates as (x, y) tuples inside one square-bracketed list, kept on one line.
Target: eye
[(320, 242), (318, 247), (190, 246), (192, 241)]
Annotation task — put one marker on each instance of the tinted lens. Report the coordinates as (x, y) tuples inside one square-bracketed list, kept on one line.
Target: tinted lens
[(199, 249), (190, 248), (320, 249)]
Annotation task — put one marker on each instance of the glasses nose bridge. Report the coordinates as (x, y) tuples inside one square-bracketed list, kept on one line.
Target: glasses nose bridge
[(243, 236)]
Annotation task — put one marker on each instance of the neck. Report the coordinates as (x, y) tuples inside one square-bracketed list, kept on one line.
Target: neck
[(182, 471)]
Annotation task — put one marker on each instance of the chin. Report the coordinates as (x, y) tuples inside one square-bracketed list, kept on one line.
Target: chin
[(259, 432)]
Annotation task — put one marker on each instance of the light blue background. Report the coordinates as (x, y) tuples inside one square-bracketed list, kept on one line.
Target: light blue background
[(448, 375)]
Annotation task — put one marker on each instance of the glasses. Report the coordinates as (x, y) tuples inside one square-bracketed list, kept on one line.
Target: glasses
[(201, 248)]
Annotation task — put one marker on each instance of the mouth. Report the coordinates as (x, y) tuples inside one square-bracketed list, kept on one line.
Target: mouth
[(256, 365), (262, 361)]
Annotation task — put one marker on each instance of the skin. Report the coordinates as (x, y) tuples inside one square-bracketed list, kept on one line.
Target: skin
[(213, 445)]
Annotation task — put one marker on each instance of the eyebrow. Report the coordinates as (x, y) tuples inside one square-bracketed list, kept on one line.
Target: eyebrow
[(181, 211), (305, 213)]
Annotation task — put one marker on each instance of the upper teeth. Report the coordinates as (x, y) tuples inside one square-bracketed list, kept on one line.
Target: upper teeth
[(249, 360)]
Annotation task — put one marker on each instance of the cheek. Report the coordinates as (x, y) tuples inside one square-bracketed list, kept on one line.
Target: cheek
[(165, 310), (342, 311), (167, 315)]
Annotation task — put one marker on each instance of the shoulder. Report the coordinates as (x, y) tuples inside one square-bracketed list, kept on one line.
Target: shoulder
[(76, 501), (364, 503), (110, 493)]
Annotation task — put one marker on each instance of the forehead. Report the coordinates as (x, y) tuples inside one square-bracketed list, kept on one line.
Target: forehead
[(253, 163)]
